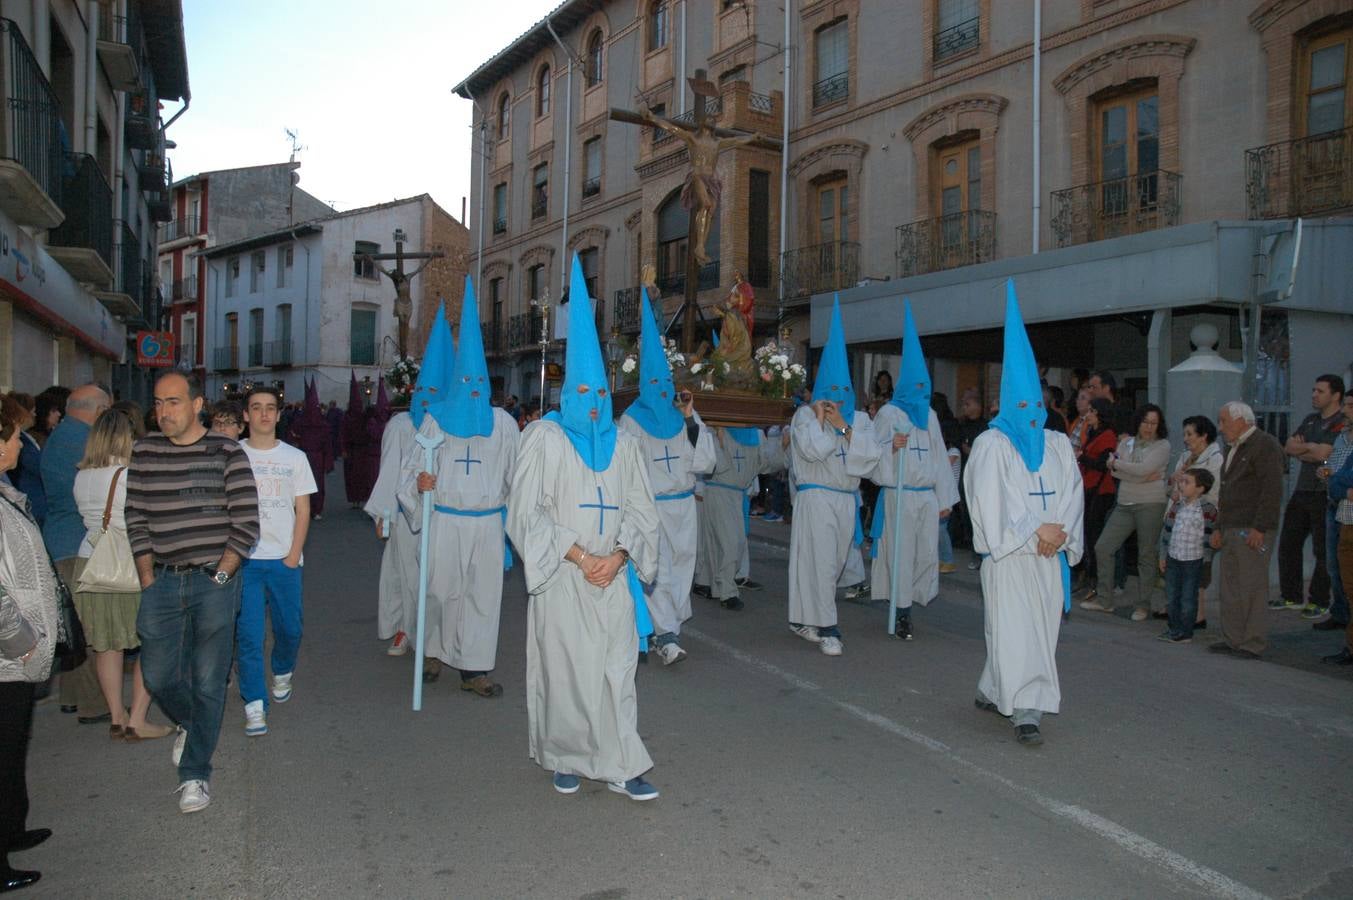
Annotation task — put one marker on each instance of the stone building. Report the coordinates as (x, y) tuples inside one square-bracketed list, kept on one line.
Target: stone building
[(1137, 166)]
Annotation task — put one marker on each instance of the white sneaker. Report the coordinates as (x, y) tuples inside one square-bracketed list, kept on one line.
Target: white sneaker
[(182, 738), (193, 796), (855, 591), (399, 646), (255, 719), (1139, 614), (807, 632), (281, 687), (830, 646), (671, 653)]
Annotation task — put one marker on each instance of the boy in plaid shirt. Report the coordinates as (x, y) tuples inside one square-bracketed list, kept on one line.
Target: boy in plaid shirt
[(1184, 550)]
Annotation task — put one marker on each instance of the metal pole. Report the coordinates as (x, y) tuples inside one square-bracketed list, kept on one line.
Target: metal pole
[(896, 576), (429, 445), (483, 168), (1038, 112), (784, 168)]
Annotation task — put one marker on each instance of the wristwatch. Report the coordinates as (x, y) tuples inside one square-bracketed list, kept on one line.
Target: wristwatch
[(221, 577), (844, 431)]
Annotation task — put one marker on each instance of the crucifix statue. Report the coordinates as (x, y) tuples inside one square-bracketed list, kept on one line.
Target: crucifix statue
[(401, 279)]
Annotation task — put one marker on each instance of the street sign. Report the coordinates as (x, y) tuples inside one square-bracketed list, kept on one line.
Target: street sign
[(155, 349)]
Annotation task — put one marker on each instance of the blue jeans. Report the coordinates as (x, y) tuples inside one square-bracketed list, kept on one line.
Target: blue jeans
[(1182, 578), (1338, 599), (946, 542), (274, 584), (187, 628)]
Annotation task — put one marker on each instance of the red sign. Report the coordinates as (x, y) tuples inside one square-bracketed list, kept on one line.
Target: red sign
[(155, 349)]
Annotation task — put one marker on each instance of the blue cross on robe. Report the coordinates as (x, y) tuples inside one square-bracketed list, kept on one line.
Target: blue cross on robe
[(1043, 493), (467, 460), (667, 457), (918, 450), (738, 458), (601, 507), (841, 453)]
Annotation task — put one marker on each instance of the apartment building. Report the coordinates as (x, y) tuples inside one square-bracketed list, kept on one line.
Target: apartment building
[(83, 180), (220, 207), (1137, 166), (294, 303)]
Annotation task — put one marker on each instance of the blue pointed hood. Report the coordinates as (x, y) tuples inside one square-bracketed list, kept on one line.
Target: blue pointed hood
[(1022, 415), (655, 409), (583, 367), (747, 437), (833, 371), (912, 394), (439, 357), (464, 410)]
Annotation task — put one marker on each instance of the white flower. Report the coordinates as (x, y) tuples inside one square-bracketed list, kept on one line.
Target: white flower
[(786, 375), (727, 368), (707, 386), (628, 366), (695, 369), (780, 359), (796, 369)]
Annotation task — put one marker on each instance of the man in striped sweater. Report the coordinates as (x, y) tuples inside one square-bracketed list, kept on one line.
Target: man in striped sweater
[(192, 516)]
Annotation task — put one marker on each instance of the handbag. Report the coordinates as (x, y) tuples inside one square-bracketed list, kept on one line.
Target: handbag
[(71, 648), (110, 568)]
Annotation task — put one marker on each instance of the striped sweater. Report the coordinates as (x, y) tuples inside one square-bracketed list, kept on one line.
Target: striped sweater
[(186, 505)]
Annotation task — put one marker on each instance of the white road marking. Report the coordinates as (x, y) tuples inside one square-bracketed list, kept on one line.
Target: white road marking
[(1181, 866)]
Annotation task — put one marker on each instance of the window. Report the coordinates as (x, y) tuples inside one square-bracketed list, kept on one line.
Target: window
[(672, 244), (592, 167), (833, 202), (232, 343), (543, 92), (1326, 104), (255, 337), (957, 191), (540, 191), (365, 268), (758, 228), (363, 337), (957, 28), (285, 258), (592, 67), (1127, 150), (535, 283), (232, 275), (657, 24), (281, 354), (187, 339), (736, 74), (831, 44), (257, 263), (504, 115), (589, 260), (499, 208)]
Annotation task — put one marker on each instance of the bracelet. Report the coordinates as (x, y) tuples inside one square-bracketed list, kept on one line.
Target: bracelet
[(581, 559)]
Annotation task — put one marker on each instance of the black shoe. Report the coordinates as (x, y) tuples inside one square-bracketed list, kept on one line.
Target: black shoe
[(733, 603), (747, 584), (13, 879), (1221, 647), (1244, 654), (432, 670), (1200, 625), (1323, 625), (68, 709), (1028, 735), (701, 590), (1343, 658), (1160, 615), (29, 839), (986, 706), (903, 629), (94, 720)]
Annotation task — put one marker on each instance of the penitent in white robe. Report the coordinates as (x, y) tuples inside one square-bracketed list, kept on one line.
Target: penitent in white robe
[(1022, 592), (929, 488), (397, 606), (724, 530), (824, 517), (465, 547), (581, 643), (672, 466)]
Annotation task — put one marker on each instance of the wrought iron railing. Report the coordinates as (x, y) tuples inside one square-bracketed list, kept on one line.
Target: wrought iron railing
[(499, 226), (493, 336), (832, 266), (540, 204), (957, 38), (119, 29), (831, 89), (592, 187), (227, 359), (947, 242), (34, 134), (184, 289), (255, 355), (186, 226), (140, 129), (277, 353), (87, 202), (762, 103), (713, 107), (628, 309), (675, 282), (523, 330), (1108, 209), (1306, 177), (599, 311), (152, 172)]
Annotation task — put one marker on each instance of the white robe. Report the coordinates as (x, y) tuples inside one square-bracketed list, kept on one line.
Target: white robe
[(397, 606), (724, 530), (465, 552), (929, 487), (581, 643), (1022, 592), (824, 520), (672, 466)]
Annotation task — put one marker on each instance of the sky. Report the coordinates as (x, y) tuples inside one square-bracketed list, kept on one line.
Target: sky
[(366, 87)]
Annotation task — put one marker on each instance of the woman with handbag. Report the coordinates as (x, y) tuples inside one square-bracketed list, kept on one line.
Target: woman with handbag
[(108, 592), (29, 626)]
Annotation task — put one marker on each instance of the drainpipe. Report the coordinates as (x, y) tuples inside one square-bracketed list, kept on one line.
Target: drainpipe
[(42, 36), (92, 80), (784, 162), (681, 63), (1038, 113), (483, 169), (568, 168), (297, 241)]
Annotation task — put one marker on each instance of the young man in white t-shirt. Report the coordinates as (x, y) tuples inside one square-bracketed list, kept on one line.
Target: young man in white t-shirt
[(271, 575)]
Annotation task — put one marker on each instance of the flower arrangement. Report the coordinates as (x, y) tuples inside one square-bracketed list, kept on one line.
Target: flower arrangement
[(779, 377), (402, 375)]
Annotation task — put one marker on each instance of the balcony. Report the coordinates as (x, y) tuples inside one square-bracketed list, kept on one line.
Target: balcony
[(958, 239), (116, 53), (255, 355), (1311, 176), (277, 354), (31, 161), (83, 244), (494, 337), (140, 128), (713, 107), (675, 282), (957, 39), (227, 359), (1110, 209), (184, 290), (152, 172), (174, 229), (832, 266), (125, 299), (523, 331), (831, 90)]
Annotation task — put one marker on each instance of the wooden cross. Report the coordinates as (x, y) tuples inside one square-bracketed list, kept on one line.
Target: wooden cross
[(401, 279)]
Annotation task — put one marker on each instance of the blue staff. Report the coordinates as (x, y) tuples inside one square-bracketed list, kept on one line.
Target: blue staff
[(429, 445), (897, 578)]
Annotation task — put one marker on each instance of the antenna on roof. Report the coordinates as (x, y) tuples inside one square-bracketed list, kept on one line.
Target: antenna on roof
[(294, 137)]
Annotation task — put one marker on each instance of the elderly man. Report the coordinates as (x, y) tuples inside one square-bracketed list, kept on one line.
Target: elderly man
[(64, 529), (1250, 502)]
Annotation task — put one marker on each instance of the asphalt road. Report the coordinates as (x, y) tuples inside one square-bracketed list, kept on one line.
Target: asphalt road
[(1171, 772)]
